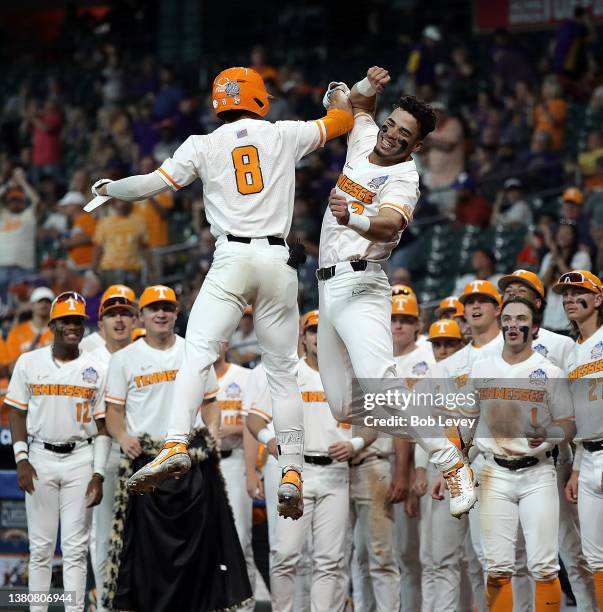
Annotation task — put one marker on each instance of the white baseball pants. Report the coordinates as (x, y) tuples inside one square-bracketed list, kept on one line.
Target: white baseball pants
[(59, 498), (374, 532), (407, 552), (102, 522), (235, 479), (326, 494), (526, 497), (590, 508), (355, 342), (255, 273)]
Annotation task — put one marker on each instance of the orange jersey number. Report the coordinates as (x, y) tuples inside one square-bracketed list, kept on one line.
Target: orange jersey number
[(357, 207), (83, 412), (247, 170)]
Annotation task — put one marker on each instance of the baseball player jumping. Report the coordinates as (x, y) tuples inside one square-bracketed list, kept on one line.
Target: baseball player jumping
[(55, 395), (247, 167), (371, 205)]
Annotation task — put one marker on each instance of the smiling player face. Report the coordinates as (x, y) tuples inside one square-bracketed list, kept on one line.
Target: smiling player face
[(398, 137)]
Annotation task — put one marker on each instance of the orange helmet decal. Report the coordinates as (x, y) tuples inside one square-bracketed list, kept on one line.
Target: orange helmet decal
[(68, 304), (240, 89), (157, 293)]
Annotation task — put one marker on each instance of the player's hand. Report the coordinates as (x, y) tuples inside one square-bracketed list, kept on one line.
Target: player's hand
[(411, 506), (378, 78), (419, 486), (571, 488), (438, 488), (94, 492), (339, 207), (271, 448), (100, 187), (255, 486), (130, 445), (398, 488), (26, 474), (341, 451)]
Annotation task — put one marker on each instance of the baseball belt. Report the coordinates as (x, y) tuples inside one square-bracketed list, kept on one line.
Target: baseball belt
[(272, 240), (318, 459), (323, 274), (518, 464), (62, 449), (592, 446)]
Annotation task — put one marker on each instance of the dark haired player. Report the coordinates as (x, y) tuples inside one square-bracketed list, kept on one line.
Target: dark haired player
[(369, 208)]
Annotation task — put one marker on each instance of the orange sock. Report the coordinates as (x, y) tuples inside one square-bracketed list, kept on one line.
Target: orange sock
[(598, 576), (548, 595), (499, 594)]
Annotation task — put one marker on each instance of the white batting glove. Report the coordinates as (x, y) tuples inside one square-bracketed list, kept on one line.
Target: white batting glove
[(334, 86), (98, 184)]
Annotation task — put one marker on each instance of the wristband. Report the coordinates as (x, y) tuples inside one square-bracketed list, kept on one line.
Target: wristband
[(365, 88), (102, 448), (359, 223), (21, 450), (357, 444), (265, 435)]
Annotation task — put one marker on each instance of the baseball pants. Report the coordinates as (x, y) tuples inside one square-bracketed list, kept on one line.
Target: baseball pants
[(235, 479), (590, 508), (378, 587), (102, 522), (354, 332), (408, 555), (255, 273), (326, 493), (59, 498)]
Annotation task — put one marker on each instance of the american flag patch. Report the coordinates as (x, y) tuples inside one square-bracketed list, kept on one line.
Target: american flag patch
[(241, 133)]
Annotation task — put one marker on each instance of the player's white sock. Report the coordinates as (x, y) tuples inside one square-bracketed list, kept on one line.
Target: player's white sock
[(290, 444)]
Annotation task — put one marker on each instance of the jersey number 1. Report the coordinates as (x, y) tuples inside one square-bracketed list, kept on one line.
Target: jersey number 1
[(248, 173)]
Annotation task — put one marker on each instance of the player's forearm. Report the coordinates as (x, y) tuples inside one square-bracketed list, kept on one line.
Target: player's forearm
[(137, 187), (368, 434), (210, 413), (115, 419), (257, 427), (250, 448), (18, 424), (380, 228), (365, 101), (402, 455)]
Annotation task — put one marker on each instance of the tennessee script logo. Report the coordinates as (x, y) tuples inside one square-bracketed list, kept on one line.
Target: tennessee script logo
[(358, 192), (377, 182)]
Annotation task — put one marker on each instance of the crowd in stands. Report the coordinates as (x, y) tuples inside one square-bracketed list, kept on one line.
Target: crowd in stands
[(518, 151)]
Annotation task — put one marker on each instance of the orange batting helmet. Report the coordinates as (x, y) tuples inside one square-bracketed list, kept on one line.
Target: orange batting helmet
[(240, 89), (525, 277), (157, 293)]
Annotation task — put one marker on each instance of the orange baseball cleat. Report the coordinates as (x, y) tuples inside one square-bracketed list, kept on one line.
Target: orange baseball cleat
[(171, 462), (290, 494)]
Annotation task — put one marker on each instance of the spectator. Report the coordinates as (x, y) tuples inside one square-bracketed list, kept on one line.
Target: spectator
[(510, 208), (400, 276), (187, 119), (483, 265), (471, 209), (563, 256), (17, 231), (80, 230), (168, 142), (444, 157), (594, 150), (572, 211), (34, 333), (144, 131), (244, 347), (595, 182), (169, 94), (258, 63), (569, 51), (121, 246), (155, 210), (543, 163), (421, 63), (596, 230), (550, 114), (45, 126)]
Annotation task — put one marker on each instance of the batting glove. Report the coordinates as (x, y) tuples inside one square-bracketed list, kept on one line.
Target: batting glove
[(334, 86), (98, 184)]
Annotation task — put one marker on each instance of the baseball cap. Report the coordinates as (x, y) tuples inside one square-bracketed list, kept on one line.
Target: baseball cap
[(400, 289), (525, 277), (72, 198), (68, 304), (480, 287), (573, 195), (512, 183), (464, 181), (138, 332), (444, 328), (450, 303), (579, 278), (310, 319), (41, 293), (432, 32), (405, 305), (157, 293), (117, 296)]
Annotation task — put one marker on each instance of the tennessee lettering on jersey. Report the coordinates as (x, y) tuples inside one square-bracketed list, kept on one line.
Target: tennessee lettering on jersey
[(64, 390), (313, 396), (360, 193), (511, 393), (586, 369), (155, 378)]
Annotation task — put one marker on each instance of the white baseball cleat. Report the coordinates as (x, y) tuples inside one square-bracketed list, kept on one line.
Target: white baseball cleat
[(171, 462), (290, 494), (460, 483)]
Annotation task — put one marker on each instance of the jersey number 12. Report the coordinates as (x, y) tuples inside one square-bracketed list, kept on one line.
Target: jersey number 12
[(248, 173)]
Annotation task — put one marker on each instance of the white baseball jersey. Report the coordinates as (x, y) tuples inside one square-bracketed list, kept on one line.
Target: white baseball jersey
[(367, 188), (61, 399), (553, 346), (248, 172), (91, 342), (320, 428), (586, 362), (232, 386), (102, 354), (416, 364), (141, 379), (513, 399)]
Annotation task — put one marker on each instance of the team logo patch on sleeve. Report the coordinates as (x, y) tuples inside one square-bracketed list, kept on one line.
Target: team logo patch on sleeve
[(233, 390), (597, 351), (420, 369), (538, 378), (90, 375), (543, 350), (377, 182)]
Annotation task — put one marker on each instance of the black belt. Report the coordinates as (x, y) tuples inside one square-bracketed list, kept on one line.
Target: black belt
[(323, 274), (225, 454), (518, 464), (272, 240), (318, 459), (63, 449), (592, 446)]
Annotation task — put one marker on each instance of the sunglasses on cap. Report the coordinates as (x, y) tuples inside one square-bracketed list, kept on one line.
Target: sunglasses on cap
[(66, 296), (572, 278), (401, 291)]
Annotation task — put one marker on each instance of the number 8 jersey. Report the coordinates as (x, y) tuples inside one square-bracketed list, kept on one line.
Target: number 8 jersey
[(62, 399), (248, 172)]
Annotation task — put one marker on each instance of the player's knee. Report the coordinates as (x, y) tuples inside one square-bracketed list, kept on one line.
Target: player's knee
[(497, 579), (40, 554), (202, 352), (283, 562)]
